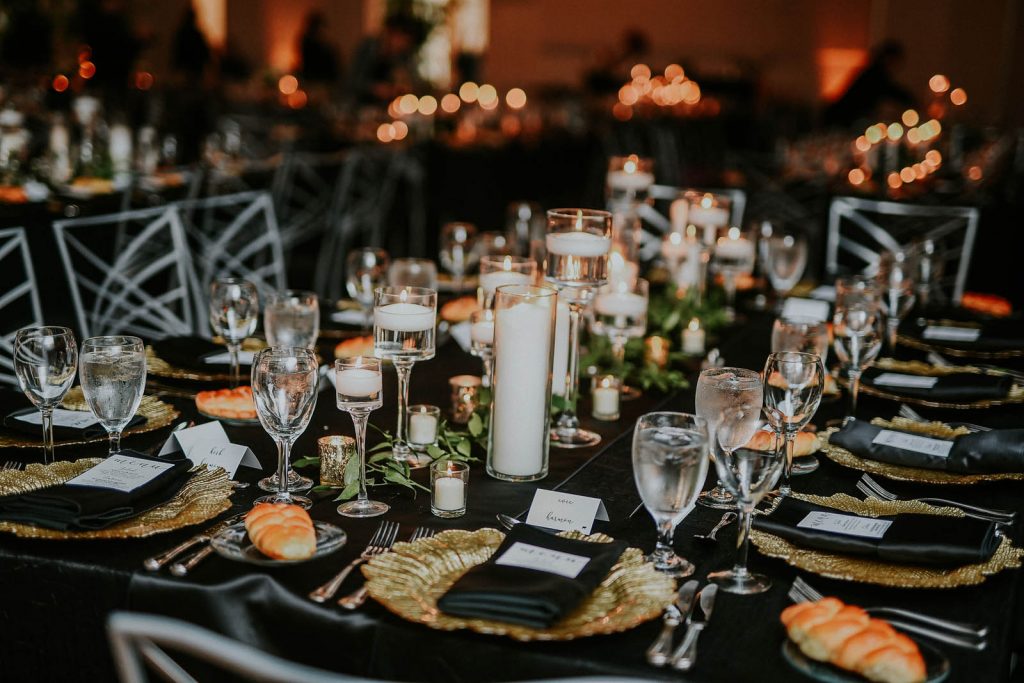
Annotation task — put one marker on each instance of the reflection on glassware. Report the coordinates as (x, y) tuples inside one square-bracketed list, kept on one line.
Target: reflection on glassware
[(793, 384), (113, 375), (234, 312), (525, 224), (458, 253), (785, 261), (896, 271), (481, 340), (801, 334), (284, 385), (335, 453), (857, 339), (670, 461), (292, 318), (366, 269), (502, 269), (854, 290), (620, 314), (45, 361), (360, 392), (733, 257), (412, 272)]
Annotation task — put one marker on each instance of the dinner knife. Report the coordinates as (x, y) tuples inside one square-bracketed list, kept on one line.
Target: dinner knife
[(685, 655), (659, 651), (154, 563)]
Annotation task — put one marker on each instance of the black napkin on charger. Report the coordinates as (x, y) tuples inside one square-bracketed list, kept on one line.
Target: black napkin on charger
[(524, 596), (65, 507), (992, 452), (94, 431), (911, 539), (188, 353), (959, 386), (994, 335)]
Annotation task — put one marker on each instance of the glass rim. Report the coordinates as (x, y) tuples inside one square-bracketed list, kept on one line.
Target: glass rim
[(363, 362), (412, 259), (424, 409), (801, 320), (742, 375), (570, 214), (455, 466), (113, 340), (525, 291), (802, 357), (697, 419), (294, 294), (500, 258), (284, 352), (391, 290), (43, 331), (232, 281)]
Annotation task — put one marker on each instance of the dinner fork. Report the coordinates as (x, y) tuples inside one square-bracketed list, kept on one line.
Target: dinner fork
[(914, 416), (871, 488), (956, 633), (13, 465), (380, 542), (356, 598)]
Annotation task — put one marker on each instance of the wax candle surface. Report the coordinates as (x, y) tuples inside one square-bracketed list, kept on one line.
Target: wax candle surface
[(449, 493), (491, 281), (620, 303), (403, 317), (482, 332), (622, 180), (712, 215), (606, 401), (674, 246), (422, 428), (358, 382), (693, 339), (578, 243), (738, 248)]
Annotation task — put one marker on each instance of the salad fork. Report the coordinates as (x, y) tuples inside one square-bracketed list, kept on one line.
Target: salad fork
[(380, 542), (871, 488), (356, 598)]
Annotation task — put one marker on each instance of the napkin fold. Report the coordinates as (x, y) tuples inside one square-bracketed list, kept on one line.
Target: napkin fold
[(188, 353), (999, 450), (959, 386), (995, 335), (910, 539), (531, 597), (61, 433), (65, 507)]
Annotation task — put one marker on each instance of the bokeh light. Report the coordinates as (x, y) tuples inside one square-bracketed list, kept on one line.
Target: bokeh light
[(427, 105), (487, 96), (938, 83), (287, 84), (516, 98), (60, 82), (450, 103), (469, 91), (958, 97), (408, 104), (910, 118)]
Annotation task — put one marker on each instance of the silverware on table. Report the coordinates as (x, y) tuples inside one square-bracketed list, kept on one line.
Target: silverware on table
[(871, 488), (911, 414), (726, 519), (381, 541), (356, 598), (183, 567), (13, 465), (685, 655), (507, 521), (154, 563), (658, 653)]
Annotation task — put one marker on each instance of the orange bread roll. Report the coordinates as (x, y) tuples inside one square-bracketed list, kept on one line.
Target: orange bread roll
[(804, 443), (281, 531), (877, 634)]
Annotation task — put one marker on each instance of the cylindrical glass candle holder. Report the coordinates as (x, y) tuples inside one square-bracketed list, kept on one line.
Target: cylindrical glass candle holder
[(422, 426), (465, 397), (335, 454), (604, 393), (499, 269), (524, 329), (449, 486)]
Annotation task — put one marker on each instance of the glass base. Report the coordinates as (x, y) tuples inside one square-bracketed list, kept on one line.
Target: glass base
[(804, 464), (718, 499), (416, 460), (672, 565), (447, 514), (577, 438), (362, 508), (301, 501), (627, 393), (746, 583), (296, 482)]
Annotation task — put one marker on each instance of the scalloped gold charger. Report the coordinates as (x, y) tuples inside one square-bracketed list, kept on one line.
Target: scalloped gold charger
[(921, 345), (845, 458), (865, 570), (411, 578), (915, 367), (203, 497)]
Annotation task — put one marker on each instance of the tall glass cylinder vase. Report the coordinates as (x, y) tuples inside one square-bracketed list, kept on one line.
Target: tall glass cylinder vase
[(524, 332)]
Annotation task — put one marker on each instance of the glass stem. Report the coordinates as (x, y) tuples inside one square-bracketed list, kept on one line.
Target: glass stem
[(47, 420), (488, 360), (236, 369), (854, 390), (284, 451), (666, 530), (787, 468), (404, 370), (115, 442), (729, 282), (359, 419), (892, 327), (572, 386), (743, 540)]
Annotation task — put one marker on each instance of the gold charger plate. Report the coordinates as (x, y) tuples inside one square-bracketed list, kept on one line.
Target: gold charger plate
[(158, 367), (956, 352), (411, 578), (865, 570), (915, 367), (203, 497), (157, 413), (845, 458)]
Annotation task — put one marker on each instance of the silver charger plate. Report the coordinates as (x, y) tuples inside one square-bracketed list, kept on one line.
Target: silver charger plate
[(935, 662), (234, 544)]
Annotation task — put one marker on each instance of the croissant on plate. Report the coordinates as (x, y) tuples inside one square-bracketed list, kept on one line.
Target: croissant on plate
[(844, 635), (281, 531)]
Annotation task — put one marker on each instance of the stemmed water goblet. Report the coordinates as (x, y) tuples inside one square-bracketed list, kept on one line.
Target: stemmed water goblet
[(292, 318), (806, 335), (857, 332), (481, 341), (732, 258), (404, 319), (234, 312), (577, 242), (412, 272), (45, 361), (284, 385), (896, 270), (366, 270), (360, 392), (670, 461), (458, 253), (785, 258), (113, 375), (793, 383), (720, 390), (620, 314)]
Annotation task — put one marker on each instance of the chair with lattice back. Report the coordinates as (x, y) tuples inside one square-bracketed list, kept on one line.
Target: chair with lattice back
[(19, 300), (302, 191), (655, 216)]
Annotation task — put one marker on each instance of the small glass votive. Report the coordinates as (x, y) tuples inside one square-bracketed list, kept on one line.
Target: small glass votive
[(656, 351), (604, 393), (421, 426), (449, 484), (465, 397), (335, 454)]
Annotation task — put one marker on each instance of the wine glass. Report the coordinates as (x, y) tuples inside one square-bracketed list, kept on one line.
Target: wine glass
[(732, 257), (284, 385), (720, 390), (806, 335), (670, 461), (896, 270), (620, 314), (359, 392), (403, 331), (481, 341), (366, 270), (785, 260), (577, 242), (45, 360), (234, 311), (857, 289), (501, 269), (292, 318), (458, 255), (857, 332), (113, 375), (412, 272), (793, 383), (748, 475)]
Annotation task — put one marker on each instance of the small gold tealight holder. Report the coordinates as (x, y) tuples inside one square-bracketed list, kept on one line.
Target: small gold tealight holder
[(465, 397), (335, 453), (656, 351)]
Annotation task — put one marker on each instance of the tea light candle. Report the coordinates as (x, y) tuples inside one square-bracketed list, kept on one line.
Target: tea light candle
[(121, 147), (735, 246), (356, 382), (498, 278), (620, 303), (423, 422), (674, 247), (656, 351), (605, 397), (403, 317), (578, 243), (630, 180), (693, 338), (449, 493), (482, 332), (449, 483)]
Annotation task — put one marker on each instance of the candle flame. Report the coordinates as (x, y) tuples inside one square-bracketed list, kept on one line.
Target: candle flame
[(691, 231), (707, 201), (579, 219), (734, 233), (508, 263), (675, 238), (694, 324), (404, 294)]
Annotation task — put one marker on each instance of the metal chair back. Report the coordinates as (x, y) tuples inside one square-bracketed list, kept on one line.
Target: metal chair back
[(19, 301)]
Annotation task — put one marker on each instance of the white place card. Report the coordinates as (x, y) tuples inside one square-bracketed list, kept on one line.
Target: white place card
[(949, 333), (565, 511), (121, 473), (912, 442), (75, 419), (209, 444), (462, 333), (894, 379), (543, 560), (849, 525), (806, 308), (224, 358), (823, 293)]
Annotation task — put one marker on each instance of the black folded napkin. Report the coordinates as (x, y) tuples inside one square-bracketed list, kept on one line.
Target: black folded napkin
[(910, 539), (61, 433), (66, 507), (188, 353), (530, 597), (999, 450), (994, 335), (959, 386)]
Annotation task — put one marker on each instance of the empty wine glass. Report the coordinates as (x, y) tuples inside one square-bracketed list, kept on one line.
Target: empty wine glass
[(857, 332), (412, 272), (45, 361), (732, 258), (481, 341), (113, 374), (292, 318), (785, 260), (359, 392), (284, 385), (749, 475), (458, 255), (366, 269), (620, 314), (896, 271), (670, 461), (793, 383), (719, 390), (234, 312)]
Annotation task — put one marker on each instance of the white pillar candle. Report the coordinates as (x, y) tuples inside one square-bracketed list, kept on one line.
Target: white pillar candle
[(606, 401), (560, 359), (121, 148), (491, 281), (620, 303), (693, 338), (482, 332), (59, 139), (422, 428), (403, 317), (449, 493), (578, 243), (354, 382), (708, 215), (624, 180)]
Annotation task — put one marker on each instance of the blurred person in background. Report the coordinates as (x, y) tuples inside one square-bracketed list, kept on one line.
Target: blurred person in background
[(384, 65), (873, 90), (190, 52), (319, 63)]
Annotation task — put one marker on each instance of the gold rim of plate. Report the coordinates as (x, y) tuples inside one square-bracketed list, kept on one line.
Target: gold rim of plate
[(845, 458), (914, 367), (157, 413), (865, 570), (157, 366), (410, 579), (203, 497), (920, 345)]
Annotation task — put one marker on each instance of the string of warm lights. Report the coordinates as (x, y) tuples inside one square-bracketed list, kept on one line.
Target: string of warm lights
[(485, 96), (671, 89)]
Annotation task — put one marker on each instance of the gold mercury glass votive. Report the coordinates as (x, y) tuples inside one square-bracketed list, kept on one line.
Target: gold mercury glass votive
[(656, 351), (335, 453), (465, 397)]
